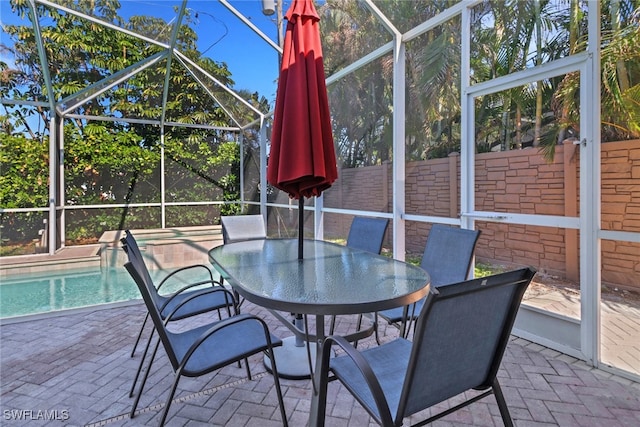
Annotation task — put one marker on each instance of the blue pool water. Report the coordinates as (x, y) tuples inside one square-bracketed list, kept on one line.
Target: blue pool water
[(21, 296)]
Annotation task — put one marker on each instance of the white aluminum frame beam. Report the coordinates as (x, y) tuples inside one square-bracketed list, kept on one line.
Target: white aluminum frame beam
[(101, 22), (590, 192), (167, 75), (91, 92), (467, 125), (187, 60), (251, 25), (53, 153)]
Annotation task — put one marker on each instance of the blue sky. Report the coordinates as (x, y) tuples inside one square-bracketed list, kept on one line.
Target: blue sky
[(223, 37)]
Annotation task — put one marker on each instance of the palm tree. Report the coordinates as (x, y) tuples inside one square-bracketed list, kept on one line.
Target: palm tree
[(620, 59)]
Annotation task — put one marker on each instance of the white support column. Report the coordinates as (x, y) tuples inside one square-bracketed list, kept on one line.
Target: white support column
[(241, 147), (263, 170), (590, 189), (163, 188), (398, 208), (467, 142), (53, 154), (399, 166), (318, 217), (61, 185), (53, 184)]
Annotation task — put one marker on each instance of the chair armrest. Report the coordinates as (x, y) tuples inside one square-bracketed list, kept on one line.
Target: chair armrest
[(170, 297), (364, 368), (173, 273), (199, 294)]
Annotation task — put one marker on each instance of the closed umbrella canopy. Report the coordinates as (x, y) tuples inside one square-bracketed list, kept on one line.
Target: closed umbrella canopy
[(302, 160)]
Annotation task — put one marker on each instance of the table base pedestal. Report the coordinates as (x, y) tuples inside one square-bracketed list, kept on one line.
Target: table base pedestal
[(292, 361)]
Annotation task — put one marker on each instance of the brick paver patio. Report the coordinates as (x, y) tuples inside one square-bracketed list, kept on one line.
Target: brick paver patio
[(76, 368)]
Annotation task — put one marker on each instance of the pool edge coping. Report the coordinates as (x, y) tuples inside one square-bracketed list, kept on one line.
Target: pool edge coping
[(67, 311)]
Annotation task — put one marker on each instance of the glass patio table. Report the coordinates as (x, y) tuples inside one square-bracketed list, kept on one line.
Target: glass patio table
[(330, 279)]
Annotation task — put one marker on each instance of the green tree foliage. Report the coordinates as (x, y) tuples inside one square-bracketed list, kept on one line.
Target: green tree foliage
[(24, 163), (360, 103), (24, 167), (118, 161), (507, 36)]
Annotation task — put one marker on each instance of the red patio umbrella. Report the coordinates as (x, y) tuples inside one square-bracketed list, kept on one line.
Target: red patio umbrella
[(302, 160)]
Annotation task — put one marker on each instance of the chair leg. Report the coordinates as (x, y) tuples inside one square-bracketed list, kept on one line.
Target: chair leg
[(165, 412), (358, 326), (502, 404), (144, 356), (408, 320), (276, 379), (144, 380), (238, 298), (332, 326), (375, 327), (246, 363), (135, 346)]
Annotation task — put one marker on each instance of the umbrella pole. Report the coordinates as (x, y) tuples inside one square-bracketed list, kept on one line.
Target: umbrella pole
[(300, 226)]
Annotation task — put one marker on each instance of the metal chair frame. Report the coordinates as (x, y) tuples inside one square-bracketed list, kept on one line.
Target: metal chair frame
[(461, 335), (239, 228), (192, 298), (447, 257), (206, 348)]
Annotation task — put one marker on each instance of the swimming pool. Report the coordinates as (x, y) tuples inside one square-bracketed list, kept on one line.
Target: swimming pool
[(74, 288)]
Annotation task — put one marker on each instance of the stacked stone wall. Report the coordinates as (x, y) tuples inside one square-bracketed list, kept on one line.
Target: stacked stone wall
[(512, 182)]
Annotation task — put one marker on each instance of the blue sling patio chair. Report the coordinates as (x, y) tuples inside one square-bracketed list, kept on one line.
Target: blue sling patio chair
[(367, 234), (447, 257), (460, 338), (212, 302), (204, 303), (239, 228), (206, 348)]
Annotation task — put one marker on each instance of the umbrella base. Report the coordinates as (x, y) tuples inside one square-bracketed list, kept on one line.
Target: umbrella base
[(292, 360)]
